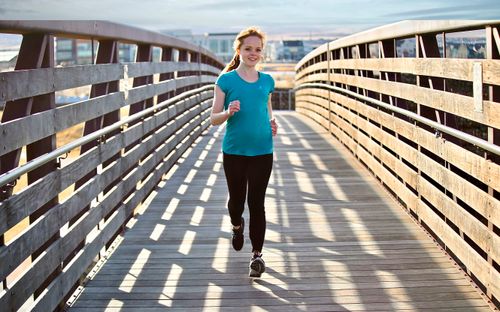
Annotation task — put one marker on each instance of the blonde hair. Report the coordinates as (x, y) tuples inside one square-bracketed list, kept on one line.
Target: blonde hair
[(245, 33)]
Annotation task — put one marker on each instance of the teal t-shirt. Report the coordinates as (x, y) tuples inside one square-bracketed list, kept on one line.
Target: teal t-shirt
[(248, 132)]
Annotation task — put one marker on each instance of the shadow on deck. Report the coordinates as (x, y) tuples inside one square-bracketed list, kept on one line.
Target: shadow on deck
[(335, 241)]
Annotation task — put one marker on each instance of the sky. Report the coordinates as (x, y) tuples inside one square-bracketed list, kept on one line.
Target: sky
[(278, 18)]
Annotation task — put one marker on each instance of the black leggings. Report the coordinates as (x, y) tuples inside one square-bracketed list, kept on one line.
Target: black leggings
[(254, 171)]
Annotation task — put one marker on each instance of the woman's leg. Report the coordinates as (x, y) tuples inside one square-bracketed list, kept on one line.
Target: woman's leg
[(259, 171), (235, 171)]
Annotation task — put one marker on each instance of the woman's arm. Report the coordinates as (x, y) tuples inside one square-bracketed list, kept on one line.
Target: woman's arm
[(274, 125), (218, 115)]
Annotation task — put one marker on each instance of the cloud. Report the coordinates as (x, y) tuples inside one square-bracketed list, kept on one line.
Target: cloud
[(274, 16), (485, 10)]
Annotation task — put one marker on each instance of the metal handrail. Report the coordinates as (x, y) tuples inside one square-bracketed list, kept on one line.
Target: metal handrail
[(495, 149), (39, 161)]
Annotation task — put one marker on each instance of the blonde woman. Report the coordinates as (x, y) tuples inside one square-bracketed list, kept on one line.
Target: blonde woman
[(243, 100)]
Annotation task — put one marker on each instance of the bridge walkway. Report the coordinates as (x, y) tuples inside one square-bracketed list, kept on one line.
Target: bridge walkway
[(335, 241)]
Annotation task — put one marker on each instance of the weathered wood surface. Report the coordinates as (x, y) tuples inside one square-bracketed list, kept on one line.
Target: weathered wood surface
[(446, 181), (335, 241)]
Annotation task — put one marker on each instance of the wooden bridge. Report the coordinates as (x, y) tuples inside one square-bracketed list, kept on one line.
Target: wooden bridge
[(384, 194)]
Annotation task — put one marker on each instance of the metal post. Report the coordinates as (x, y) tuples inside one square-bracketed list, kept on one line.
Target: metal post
[(289, 99)]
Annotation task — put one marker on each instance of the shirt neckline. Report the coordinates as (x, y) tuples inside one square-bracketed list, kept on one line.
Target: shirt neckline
[(253, 82)]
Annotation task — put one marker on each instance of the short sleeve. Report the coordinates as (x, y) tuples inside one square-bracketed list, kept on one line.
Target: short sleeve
[(222, 83), (271, 89)]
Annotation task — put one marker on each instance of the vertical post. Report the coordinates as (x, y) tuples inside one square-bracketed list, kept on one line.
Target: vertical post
[(37, 51), (166, 56), (197, 59), (31, 56), (290, 99), (429, 48), (144, 54), (418, 54), (477, 74), (107, 53), (183, 57), (280, 100)]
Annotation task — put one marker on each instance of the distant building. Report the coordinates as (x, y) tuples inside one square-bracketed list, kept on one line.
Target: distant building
[(79, 51), (293, 50), (74, 51), (183, 34), (221, 44), (285, 51), (312, 44)]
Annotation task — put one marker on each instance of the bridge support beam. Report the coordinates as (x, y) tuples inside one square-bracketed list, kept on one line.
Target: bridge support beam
[(36, 51), (107, 53)]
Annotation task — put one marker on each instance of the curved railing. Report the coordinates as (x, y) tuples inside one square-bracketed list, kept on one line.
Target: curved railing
[(426, 125), (139, 118)]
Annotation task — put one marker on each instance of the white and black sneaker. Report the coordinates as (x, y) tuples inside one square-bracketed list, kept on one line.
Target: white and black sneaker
[(257, 266)]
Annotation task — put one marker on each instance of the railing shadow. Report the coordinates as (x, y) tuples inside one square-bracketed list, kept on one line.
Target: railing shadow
[(334, 242)]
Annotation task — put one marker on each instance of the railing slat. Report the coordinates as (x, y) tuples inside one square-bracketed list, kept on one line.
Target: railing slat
[(21, 84)]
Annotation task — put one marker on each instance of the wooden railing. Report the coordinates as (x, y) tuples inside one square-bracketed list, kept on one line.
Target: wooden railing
[(57, 217), (426, 125)]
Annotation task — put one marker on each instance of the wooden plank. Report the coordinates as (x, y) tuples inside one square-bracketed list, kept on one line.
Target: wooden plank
[(51, 121), (472, 227), (147, 68), (322, 253), (482, 202), (472, 260), (471, 163), (141, 93), (311, 69), (139, 69), (459, 69), (27, 83), (457, 104), (102, 30), (450, 102)]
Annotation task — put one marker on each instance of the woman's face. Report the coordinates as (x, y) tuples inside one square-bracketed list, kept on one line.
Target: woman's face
[(251, 50)]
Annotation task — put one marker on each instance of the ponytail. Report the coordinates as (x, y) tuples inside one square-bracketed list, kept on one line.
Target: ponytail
[(235, 62)]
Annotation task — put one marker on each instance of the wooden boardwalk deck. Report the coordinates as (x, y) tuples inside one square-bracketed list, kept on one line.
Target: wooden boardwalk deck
[(335, 242)]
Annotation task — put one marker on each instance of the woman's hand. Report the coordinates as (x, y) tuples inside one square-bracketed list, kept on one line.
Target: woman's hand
[(233, 107), (274, 126)]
